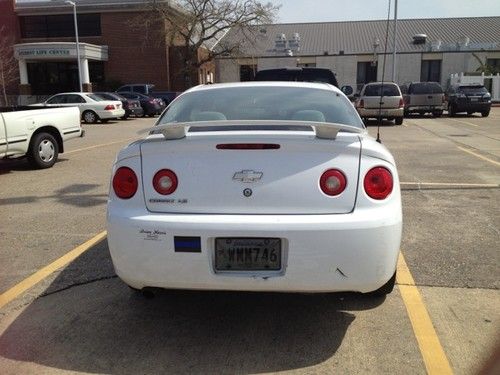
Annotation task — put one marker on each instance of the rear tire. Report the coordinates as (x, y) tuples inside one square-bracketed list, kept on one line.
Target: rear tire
[(43, 151), (437, 113), (399, 121), (485, 113), (452, 111), (90, 117), (385, 289)]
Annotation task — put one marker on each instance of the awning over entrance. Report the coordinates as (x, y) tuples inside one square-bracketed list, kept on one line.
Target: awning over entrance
[(53, 65), (59, 51)]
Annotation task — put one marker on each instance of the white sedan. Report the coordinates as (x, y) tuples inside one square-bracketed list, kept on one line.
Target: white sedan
[(92, 107), (262, 186)]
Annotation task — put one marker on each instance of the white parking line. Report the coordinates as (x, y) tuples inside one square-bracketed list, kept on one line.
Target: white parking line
[(464, 122)]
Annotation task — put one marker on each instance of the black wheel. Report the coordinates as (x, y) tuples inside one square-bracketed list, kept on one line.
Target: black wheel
[(399, 121), (485, 113), (386, 288), (437, 113), (89, 117), (406, 113), (124, 117), (452, 111), (43, 151)]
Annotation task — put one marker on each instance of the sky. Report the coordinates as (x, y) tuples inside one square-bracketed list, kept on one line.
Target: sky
[(293, 11)]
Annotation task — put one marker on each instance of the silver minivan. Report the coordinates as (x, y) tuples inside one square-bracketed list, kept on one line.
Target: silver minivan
[(382, 101), (423, 97)]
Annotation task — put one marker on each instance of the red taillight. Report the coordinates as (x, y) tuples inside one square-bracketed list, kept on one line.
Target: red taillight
[(332, 182), (361, 104), (125, 183), (109, 107), (401, 103), (165, 182), (378, 183), (247, 146)]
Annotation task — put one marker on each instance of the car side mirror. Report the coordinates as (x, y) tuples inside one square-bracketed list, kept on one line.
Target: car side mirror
[(347, 90)]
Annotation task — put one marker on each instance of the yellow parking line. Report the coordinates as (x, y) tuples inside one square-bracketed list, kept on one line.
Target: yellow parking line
[(479, 156), (42, 273), (464, 122), (100, 145), (433, 355)]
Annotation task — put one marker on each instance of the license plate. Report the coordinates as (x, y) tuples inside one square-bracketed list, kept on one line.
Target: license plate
[(247, 254)]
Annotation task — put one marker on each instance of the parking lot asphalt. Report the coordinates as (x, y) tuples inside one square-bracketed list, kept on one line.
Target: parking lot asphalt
[(81, 318)]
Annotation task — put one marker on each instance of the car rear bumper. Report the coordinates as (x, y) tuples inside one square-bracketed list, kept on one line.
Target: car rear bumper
[(424, 108), (320, 253), (472, 107), (138, 112), (115, 113), (384, 112)]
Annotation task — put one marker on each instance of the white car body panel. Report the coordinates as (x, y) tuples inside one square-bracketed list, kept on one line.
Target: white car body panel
[(17, 128), (90, 104), (328, 244)]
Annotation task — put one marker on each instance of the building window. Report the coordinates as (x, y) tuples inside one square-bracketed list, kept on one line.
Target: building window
[(247, 72), (494, 64), (60, 25), (430, 71), (366, 73)]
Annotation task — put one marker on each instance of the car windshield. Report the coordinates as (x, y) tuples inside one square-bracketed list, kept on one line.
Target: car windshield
[(376, 90), (473, 90), (262, 103), (425, 88)]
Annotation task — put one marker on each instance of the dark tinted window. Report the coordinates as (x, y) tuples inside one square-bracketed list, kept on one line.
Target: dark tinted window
[(425, 88), (139, 88), (58, 99), (60, 25), (75, 99), (473, 90), (376, 90), (430, 71), (247, 72)]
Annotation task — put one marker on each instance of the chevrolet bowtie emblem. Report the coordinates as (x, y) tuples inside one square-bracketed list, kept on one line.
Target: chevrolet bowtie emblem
[(247, 176)]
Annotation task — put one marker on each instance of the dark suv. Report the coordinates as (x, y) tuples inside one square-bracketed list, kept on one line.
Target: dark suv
[(468, 98), (298, 74)]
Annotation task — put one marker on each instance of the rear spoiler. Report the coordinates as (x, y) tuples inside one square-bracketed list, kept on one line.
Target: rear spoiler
[(178, 130)]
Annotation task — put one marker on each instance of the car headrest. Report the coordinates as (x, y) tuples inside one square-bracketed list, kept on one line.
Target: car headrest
[(309, 115), (208, 116)]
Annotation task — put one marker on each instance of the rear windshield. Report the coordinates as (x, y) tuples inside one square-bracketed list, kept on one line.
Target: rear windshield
[(376, 90), (262, 103), (95, 97), (470, 90), (425, 88)]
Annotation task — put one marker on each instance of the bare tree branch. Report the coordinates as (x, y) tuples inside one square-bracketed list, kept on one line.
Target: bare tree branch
[(8, 64), (200, 24)]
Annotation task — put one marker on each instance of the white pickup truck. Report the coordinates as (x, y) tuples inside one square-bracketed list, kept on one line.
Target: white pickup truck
[(38, 134)]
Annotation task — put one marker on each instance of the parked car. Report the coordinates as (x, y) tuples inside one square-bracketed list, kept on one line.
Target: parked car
[(257, 186), (151, 106), (148, 89), (92, 107), (468, 98), (380, 100), (38, 134), (131, 106), (297, 74), (422, 98)]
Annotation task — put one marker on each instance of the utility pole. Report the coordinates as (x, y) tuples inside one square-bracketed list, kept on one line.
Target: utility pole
[(73, 4), (394, 41)]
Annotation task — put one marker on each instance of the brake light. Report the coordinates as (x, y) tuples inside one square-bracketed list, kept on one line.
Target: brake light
[(125, 183), (165, 182), (361, 104), (401, 103), (109, 107), (247, 146), (332, 182), (378, 183)]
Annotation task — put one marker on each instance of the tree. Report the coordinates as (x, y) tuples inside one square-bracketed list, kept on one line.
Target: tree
[(484, 67), (199, 25), (8, 64)]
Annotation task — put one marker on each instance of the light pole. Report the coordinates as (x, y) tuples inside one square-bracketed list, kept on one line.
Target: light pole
[(394, 40), (72, 3)]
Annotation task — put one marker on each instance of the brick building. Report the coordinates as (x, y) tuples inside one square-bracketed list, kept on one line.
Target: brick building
[(114, 48)]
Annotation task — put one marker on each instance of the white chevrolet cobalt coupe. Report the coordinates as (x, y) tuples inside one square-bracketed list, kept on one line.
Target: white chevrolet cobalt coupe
[(262, 186)]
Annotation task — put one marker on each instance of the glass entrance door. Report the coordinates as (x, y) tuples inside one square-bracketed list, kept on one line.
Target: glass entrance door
[(47, 78)]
